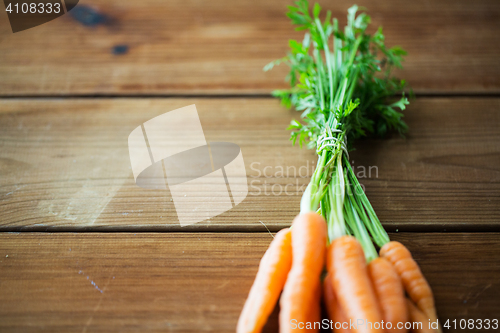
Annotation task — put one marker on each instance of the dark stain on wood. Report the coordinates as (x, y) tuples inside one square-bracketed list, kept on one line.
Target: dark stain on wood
[(89, 16), (120, 49)]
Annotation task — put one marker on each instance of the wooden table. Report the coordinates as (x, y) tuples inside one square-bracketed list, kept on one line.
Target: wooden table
[(82, 248)]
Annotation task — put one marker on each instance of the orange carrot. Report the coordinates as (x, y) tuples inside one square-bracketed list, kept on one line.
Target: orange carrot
[(351, 283), (413, 280), (302, 286), (419, 321), (390, 293), (314, 314), (335, 312), (266, 289)]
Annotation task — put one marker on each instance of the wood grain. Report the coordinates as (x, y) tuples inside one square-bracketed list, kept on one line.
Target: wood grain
[(180, 282), (65, 165), (220, 47)]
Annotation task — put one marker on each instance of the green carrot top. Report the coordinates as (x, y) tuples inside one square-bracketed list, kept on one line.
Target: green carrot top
[(341, 82)]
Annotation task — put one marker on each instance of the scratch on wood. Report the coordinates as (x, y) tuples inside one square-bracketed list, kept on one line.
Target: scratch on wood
[(98, 305), (477, 294), (267, 229), (223, 285)]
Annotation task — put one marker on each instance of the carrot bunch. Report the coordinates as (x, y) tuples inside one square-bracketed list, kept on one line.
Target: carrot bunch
[(381, 285), (358, 296), (341, 83)]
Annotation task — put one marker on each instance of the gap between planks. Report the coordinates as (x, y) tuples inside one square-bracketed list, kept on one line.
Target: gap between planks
[(229, 96), (257, 229)]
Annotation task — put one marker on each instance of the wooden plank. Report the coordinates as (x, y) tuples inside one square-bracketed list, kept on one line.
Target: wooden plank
[(65, 165), (182, 282), (220, 47)]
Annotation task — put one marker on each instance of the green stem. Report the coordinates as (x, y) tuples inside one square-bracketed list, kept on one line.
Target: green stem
[(319, 67), (336, 195), (371, 221), (327, 58), (350, 91), (337, 46), (357, 226), (341, 92), (315, 190)]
